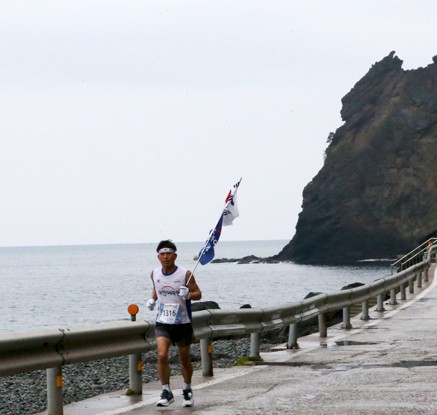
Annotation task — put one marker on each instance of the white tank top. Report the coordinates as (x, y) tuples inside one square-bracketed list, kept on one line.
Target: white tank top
[(172, 308)]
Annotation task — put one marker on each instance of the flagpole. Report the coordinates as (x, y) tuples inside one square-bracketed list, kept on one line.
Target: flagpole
[(211, 233)]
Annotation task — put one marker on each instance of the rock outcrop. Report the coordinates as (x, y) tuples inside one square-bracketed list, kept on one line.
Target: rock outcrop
[(376, 195)]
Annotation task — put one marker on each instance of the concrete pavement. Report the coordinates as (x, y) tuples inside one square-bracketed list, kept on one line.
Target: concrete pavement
[(387, 365)]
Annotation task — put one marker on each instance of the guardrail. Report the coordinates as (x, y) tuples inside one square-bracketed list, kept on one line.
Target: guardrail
[(51, 349), (415, 256)]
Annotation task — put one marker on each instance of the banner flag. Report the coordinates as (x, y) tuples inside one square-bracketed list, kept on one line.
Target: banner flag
[(206, 254), (229, 213)]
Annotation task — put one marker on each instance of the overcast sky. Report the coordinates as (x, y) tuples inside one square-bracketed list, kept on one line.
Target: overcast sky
[(129, 121)]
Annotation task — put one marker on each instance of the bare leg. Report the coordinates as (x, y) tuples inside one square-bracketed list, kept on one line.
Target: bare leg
[(163, 344), (186, 366)]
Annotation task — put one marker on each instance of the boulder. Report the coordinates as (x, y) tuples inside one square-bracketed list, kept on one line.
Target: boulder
[(204, 305)]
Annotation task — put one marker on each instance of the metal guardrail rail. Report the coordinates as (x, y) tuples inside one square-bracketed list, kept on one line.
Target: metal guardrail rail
[(52, 349), (414, 256)]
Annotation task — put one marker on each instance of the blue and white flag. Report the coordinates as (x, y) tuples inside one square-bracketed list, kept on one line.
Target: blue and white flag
[(206, 254), (229, 213)]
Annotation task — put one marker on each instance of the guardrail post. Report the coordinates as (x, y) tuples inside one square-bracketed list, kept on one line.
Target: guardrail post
[(346, 318), (292, 337), (206, 357), (255, 341), (135, 374), (323, 330), (380, 303), (426, 276), (403, 288), (365, 310), (411, 285), (393, 297), (419, 279), (135, 362), (54, 391)]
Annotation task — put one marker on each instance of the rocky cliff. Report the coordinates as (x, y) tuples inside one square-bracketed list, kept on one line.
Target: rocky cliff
[(376, 195)]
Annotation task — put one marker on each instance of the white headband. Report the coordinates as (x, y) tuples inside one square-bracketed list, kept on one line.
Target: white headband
[(165, 250)]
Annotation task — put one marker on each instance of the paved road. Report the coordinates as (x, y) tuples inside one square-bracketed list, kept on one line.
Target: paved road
[(387, 365)]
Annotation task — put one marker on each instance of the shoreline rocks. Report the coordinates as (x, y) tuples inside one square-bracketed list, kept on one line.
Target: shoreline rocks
[(250, 259)]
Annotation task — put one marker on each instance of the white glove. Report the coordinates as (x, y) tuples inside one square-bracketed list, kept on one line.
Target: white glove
[(184, 292), (151, 304)]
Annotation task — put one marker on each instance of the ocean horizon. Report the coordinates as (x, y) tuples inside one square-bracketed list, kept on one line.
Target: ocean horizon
[(70, 285)]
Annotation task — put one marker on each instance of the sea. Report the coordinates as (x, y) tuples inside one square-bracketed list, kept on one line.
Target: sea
[(49, 287)]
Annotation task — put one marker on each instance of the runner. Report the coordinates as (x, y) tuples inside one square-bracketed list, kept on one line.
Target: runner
[(173, 287)]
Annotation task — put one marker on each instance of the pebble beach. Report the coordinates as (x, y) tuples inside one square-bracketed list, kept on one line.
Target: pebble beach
[(25, 394)]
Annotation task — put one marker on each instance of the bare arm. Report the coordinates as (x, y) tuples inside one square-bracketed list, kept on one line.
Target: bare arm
[(154, 296)]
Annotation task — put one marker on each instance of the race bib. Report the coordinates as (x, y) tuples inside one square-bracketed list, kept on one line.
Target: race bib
[(168, 313)]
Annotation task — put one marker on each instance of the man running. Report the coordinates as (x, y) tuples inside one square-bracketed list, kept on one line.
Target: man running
[(173, 287)]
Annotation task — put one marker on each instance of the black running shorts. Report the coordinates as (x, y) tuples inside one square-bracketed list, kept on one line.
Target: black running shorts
[(179, 334)]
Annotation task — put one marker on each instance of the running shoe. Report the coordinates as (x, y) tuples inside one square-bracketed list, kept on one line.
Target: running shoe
[(188, 399), (166, 398)]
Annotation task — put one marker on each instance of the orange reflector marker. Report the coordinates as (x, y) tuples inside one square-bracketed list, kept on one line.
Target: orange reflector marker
[(139, 366), (59, 381), (209, 348), (133, 309)]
